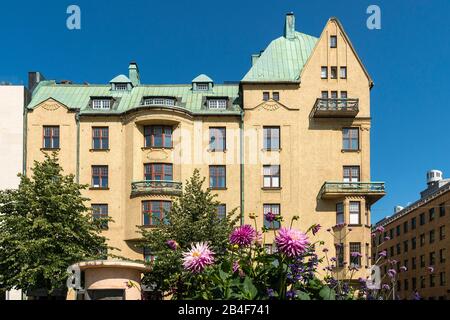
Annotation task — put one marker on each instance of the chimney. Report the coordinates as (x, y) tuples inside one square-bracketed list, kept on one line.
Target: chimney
[(289, 26), (33, 79), (134, 74)]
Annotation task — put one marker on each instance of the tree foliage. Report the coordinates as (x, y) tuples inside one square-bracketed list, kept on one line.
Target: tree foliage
[(44, 228), (192, 218)]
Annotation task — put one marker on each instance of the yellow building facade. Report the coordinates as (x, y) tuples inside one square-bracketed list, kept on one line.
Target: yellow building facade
[(292, 138)]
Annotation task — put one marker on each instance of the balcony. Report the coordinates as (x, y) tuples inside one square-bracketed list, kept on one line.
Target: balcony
[(335, 108), (147, 187), (372, 190)]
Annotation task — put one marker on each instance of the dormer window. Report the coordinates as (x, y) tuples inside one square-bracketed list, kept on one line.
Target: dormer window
[(121, 83), (217, 104), (121, 86), (202, 86), (159, 101), (202, 83), (101, 103)]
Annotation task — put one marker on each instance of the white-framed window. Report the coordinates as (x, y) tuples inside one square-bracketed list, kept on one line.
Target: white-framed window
[(324, 72), (101, 103), (202, 86), (355, 210), (343, 72), (121, 86), (271, 176), (159, 102), (220, 104)]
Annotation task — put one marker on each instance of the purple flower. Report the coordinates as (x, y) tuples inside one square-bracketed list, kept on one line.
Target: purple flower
[(325, 250), (172, 244), (403, 269), (270, 217), (392, 273), (243, 236), (355, 254), (316, 229), (393, 261), (235, 266), (290, 294), (386, 287), (387, 238), (379, 229), (270, 293), (291, 242), (373, 235), (198, 257), (416, 296), (333, 259), (431, 269), (383, 253)]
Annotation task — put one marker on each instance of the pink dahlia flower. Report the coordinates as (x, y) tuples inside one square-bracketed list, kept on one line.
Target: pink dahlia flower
[(243, 236), (198, 257), (291, 242)]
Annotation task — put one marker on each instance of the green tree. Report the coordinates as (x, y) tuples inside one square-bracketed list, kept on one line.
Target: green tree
[(192, 218), (44, 228)]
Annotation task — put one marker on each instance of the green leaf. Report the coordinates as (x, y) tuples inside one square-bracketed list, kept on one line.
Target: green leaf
[(327, 293), (250, 290), (303, 295)]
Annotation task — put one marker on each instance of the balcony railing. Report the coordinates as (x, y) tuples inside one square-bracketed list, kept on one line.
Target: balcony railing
[(156, 187), (335, 108), (373, 190)]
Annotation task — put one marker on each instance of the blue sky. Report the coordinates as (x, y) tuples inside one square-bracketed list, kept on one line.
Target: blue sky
[(173, 41)]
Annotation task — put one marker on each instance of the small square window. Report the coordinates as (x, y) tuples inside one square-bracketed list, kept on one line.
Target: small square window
[(343, 72), (333, 41), (266, 96), (276, 96), (324, 73), (333, 72)]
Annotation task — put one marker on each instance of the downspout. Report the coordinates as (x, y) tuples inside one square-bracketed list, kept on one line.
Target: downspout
[(77, 120), (241, 151)]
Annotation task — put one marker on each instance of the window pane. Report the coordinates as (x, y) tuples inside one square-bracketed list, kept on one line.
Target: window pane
[(275, 209), (97, 143)]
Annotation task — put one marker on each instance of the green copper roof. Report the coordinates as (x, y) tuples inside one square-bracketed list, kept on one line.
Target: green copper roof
[(120, 79), (283, 60), (77, 96), (202, 78)]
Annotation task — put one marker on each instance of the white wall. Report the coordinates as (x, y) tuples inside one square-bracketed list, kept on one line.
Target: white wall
[(11, 145), (11, 135)]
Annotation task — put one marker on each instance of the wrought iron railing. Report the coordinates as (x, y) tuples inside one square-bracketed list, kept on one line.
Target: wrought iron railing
[(335, 107), (156, 187), (352, 187)]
